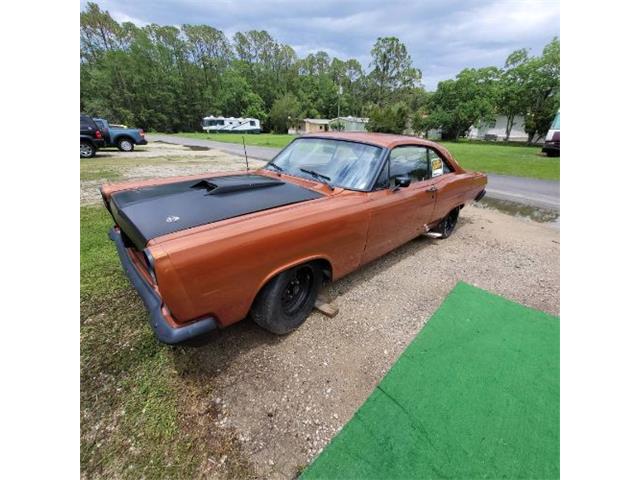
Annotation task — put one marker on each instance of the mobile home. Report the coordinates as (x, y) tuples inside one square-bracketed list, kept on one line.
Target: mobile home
[(230, 124)]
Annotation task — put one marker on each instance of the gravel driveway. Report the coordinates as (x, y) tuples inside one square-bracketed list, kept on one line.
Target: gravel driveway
[(285, 397)]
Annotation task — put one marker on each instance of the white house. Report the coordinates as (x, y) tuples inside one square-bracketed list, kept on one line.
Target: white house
[(497, 130)]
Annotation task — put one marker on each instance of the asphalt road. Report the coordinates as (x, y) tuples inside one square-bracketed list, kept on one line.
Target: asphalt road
[(529, 191)]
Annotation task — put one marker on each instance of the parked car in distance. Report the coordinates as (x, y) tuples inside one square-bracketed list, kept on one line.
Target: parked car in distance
[(205, 251), (91, 138), (123, 138), (552, 141)]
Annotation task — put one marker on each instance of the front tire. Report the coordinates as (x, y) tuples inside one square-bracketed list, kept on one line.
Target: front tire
[(286, 301), (87, 150), (448, 223), (125, 145)]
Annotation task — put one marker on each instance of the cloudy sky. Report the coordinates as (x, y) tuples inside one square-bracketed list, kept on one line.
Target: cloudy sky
[(443, 36)]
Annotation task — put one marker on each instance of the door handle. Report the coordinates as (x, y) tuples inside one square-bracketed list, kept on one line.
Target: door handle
[(432, 189)]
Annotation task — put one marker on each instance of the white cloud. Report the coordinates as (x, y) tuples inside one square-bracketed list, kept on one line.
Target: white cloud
[(123, 17), (442, 36)]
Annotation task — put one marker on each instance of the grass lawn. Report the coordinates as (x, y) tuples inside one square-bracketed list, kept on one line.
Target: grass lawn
[(516, 160), (139, 416), (262, 140)]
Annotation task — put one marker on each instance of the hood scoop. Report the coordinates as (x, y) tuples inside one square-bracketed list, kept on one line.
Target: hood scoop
[(235, 183), (150, 212)]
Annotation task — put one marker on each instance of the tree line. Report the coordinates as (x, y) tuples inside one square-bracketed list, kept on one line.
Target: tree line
[(167, 78)]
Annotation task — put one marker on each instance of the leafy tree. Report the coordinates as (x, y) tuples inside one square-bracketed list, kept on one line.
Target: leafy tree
[(392, 69), (284, 112), (512, 97), (530, 86), (209, 48), (236, 98), (458, 104), (389, 119), (167, 78), (544, 91)]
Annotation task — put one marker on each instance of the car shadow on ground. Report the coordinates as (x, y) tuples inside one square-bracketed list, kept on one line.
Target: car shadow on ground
[(208, 356)]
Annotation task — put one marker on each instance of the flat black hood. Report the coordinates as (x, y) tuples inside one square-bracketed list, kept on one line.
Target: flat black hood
[(146, 213)]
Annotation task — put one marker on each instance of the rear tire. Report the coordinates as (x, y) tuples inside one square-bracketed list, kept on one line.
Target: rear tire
[(448, 223), (286, 301), (125, 145), (87, 150)]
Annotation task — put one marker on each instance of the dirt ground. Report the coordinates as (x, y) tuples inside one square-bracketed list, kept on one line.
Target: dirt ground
[(156, 159), (286, 397)]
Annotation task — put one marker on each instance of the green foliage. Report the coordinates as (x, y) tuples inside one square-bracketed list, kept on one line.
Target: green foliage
[(167, 78), (530, 86), (458, 104), (390, 119), (392, 69), (285, 111), (544, 91), (236, 95)]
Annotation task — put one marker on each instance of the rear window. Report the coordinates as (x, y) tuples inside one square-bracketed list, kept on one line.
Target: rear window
[(86, 122)]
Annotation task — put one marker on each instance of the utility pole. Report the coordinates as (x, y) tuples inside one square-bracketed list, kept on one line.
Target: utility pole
[(339, 96)]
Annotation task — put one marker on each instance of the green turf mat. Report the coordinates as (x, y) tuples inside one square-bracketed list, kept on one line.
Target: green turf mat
[(475, 395)]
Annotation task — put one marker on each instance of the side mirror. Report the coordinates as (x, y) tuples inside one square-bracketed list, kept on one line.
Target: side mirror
[(401, 182)]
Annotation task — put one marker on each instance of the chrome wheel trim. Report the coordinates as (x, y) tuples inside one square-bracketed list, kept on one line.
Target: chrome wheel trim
[(85, 150)]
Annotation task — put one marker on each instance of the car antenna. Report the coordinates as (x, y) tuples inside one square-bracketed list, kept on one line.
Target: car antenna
[(246, 160)]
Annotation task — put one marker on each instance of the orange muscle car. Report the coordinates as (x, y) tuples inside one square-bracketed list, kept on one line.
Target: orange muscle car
[(205, 251)]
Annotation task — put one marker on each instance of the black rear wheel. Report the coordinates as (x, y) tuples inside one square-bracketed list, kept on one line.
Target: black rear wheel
[(87, 150), (285, 301), (448, 223)]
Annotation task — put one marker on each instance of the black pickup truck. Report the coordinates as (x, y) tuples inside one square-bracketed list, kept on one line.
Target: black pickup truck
[(91, 138)]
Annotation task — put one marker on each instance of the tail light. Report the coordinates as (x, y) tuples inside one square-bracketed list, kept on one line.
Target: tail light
[(141, 132), (98, 134)]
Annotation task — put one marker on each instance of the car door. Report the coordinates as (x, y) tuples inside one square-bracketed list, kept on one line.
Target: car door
[(445, 184), (399, 214)]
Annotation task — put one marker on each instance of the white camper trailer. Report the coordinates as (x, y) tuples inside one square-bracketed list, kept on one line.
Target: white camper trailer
[(230, 124)]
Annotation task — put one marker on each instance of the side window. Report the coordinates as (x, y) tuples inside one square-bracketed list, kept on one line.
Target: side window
[(409, 161), (86, 123), (438, 165)]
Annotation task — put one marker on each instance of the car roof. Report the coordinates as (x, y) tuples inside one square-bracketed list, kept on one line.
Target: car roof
[(385, 140)]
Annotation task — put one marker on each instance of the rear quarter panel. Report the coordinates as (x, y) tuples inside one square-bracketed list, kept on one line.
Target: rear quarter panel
[(117, 133), (456, 189)]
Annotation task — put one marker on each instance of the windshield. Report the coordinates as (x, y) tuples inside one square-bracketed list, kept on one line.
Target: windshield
[(556, 122), (340, 163)]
